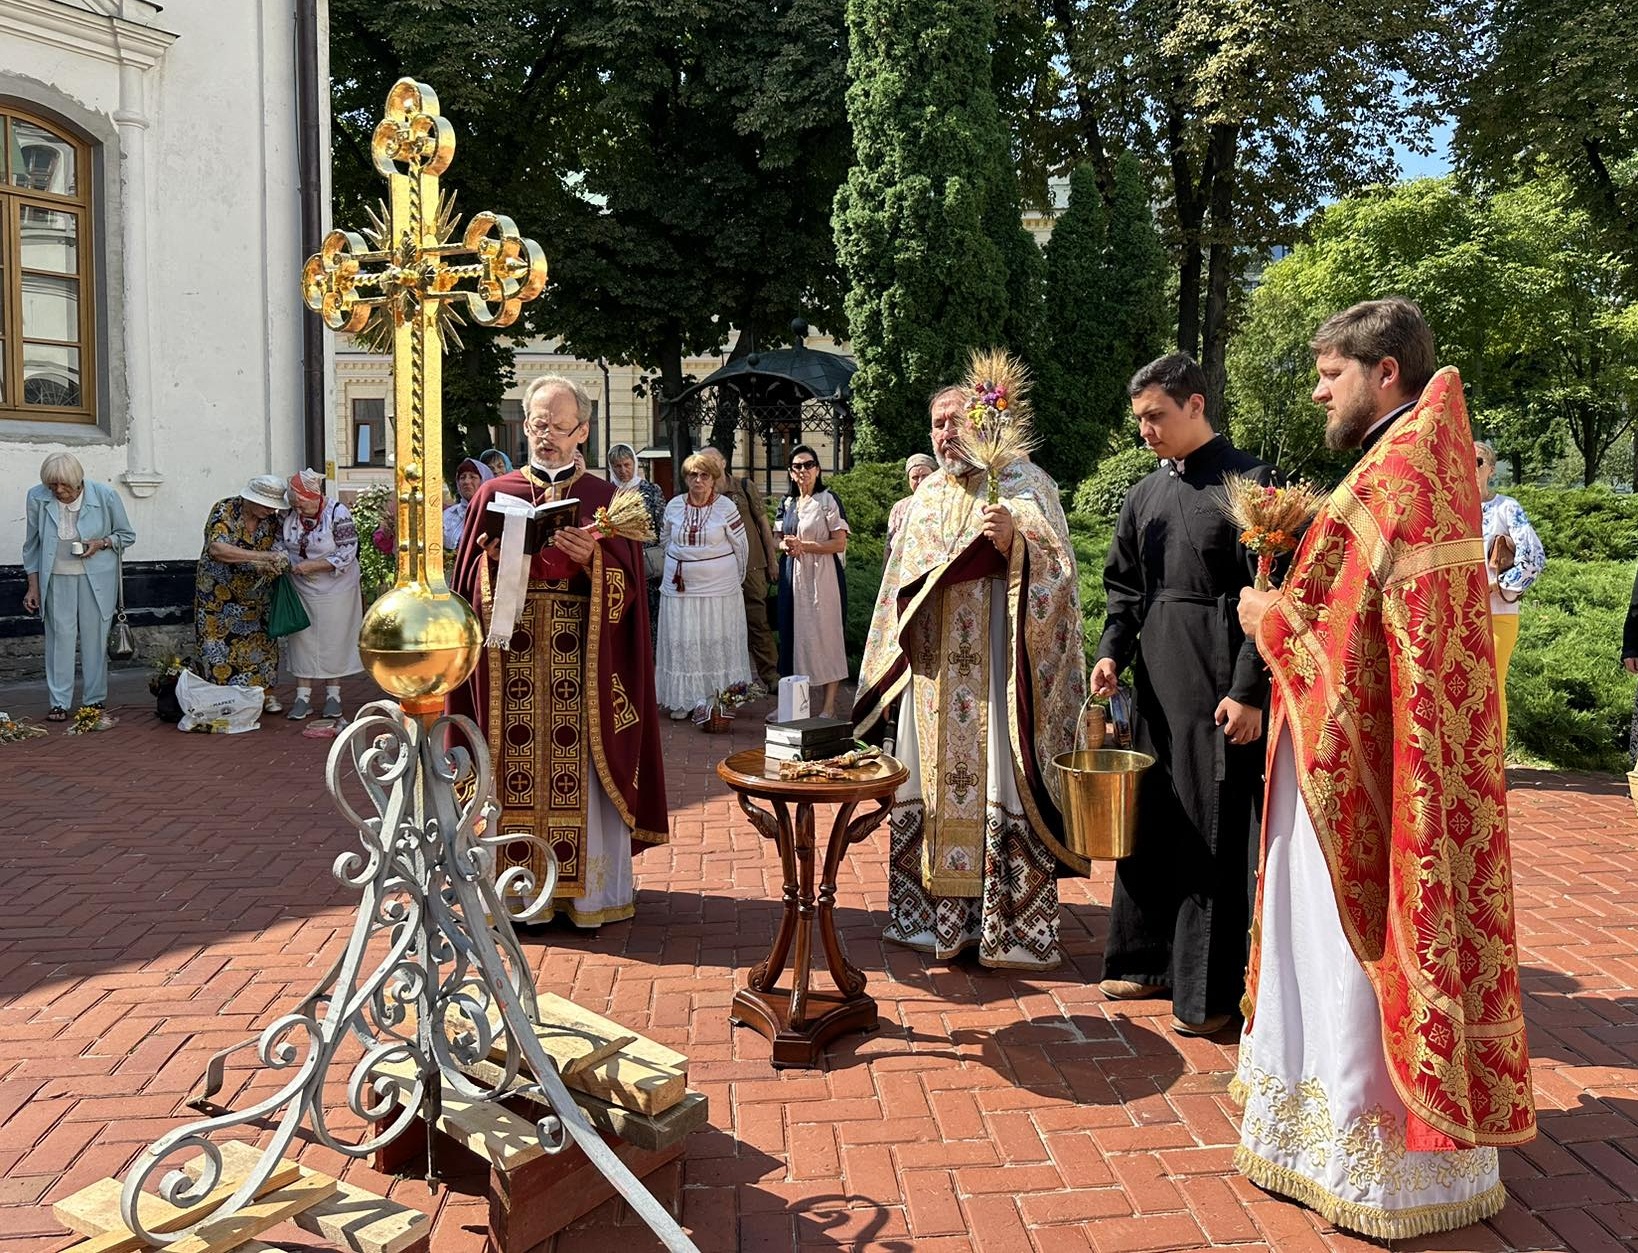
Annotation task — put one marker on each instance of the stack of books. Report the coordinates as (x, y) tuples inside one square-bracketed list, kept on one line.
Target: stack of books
[(808, 739)]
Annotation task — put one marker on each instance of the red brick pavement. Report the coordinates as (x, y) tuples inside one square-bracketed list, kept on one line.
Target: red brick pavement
[(165, 893)]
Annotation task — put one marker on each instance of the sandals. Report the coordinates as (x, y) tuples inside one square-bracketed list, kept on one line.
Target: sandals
[(57, 714)]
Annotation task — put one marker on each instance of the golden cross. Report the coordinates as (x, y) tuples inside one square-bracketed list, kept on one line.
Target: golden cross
[(408, 280)]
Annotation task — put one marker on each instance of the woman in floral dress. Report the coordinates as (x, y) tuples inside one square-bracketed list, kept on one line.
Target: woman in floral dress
[(233, 586)]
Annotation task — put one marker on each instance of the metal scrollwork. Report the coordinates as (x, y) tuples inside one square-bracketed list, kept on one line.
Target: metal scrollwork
[(432, 979)]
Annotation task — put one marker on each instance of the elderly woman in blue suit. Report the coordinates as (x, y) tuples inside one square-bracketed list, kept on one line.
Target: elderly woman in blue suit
[(74, 532)]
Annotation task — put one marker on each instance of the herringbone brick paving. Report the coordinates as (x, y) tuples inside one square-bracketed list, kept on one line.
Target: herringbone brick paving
[(166, 894)]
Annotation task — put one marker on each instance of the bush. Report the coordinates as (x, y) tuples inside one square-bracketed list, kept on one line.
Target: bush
[(1582, 524), (1101, 495), (1568, 699)]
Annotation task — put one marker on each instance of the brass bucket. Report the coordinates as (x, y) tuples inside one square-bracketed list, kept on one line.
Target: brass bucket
[(1100, 791)]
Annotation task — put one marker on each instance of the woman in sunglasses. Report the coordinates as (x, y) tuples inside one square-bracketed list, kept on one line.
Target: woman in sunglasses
[(812, 537)]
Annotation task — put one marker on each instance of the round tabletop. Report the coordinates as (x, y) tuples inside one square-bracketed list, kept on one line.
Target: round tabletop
[(750, 771)]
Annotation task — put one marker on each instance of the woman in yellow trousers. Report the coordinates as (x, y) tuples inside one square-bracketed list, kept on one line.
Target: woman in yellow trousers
[(1515, 558)]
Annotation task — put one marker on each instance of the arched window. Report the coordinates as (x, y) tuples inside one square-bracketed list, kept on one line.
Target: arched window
[(47, 307)]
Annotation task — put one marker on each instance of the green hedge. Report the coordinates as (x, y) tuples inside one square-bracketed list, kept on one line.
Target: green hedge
[(1582, 524), (1569, 701), (1100, 496)]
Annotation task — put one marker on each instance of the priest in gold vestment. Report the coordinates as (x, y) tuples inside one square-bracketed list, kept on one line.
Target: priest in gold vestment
[(565, 696), (977, 636), (1383, 1061)]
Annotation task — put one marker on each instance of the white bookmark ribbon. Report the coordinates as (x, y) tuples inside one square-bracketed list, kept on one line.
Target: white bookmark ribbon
[(511, 571)]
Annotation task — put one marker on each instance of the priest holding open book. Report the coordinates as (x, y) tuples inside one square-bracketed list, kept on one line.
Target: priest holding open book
[(565, 691)]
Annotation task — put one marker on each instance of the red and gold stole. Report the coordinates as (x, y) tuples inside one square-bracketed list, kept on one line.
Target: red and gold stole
[(1384, 673)]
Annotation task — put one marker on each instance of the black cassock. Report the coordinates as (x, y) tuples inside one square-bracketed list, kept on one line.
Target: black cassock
[(1182, 900)]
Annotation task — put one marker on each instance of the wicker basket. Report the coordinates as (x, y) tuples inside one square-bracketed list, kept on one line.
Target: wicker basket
[(717, 722)]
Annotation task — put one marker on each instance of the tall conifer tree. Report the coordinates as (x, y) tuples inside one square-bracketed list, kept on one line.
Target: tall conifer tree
[(927, 226), (1105, 314)]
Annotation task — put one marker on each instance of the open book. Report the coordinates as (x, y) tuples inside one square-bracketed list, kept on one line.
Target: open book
[(540, 522)]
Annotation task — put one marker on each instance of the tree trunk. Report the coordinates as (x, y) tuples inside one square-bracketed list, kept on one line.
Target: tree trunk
[(1224, 141), (1190, 198), (1086, 102), (671, 385)]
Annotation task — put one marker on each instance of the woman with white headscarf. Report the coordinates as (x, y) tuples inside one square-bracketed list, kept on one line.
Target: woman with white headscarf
[(320, 539), (233, 588), (626, 471), (469, 476)]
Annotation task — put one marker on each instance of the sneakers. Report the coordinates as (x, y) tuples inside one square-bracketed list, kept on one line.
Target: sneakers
[(332, 706), (1209, 1025), (677, 715), (272, 705), (301, 709), (1129, 990)]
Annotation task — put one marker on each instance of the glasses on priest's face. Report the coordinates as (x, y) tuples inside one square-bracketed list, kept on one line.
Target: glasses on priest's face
[(802, 467)]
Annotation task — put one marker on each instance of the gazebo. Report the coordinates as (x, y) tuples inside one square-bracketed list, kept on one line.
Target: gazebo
[(780, 399)]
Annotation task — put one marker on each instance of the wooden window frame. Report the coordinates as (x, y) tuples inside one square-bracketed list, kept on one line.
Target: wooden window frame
[(13, 198), (356, 423)]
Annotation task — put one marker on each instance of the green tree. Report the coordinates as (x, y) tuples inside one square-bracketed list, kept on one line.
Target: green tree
[(1552, 85), (1520, 297), (926, 224), (1250, 114), (675, 165), (1106, 290)]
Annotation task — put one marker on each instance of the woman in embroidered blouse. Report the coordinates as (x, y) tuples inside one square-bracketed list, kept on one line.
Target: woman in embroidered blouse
[(813, 534), (321, 541), (1514, 559), (702, 646), (917, 466)]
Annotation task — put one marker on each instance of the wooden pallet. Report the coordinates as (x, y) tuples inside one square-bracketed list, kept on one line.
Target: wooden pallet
[(341, 1213)]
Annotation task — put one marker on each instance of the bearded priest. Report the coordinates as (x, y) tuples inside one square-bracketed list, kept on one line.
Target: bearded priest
[(565, 691), (1383, 1060), (977, 636)]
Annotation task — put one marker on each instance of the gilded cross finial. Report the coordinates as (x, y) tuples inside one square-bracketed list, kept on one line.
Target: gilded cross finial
[(407, 278)]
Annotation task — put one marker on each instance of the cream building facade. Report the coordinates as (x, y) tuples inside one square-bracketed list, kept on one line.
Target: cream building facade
[(150, 252)]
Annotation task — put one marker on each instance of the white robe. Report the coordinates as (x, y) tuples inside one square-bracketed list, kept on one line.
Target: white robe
[(1323, 1122)]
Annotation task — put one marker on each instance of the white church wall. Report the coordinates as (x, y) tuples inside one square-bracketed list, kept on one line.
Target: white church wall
[(206, 106)]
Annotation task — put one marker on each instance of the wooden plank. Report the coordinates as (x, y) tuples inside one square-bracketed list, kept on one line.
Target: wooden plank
[(223, 1234), (645, 1131), (642, 1076), (121, 1239), (503, 1139), (353, 1218), (94, 1209), (559, 1011)]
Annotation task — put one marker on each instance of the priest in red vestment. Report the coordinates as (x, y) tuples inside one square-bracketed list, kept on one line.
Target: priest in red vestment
[(566, 699), (1383, 1060)]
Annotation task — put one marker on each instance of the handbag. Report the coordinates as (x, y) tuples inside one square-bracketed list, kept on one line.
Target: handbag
[(286, 615), (121, 643)]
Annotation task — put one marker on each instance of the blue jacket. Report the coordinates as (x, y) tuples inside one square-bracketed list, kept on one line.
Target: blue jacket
[(102, 516)]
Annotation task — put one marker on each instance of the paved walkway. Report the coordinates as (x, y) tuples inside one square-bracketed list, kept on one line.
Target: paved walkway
[(165, 894)]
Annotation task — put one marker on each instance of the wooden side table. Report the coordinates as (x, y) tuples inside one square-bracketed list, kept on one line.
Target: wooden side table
[(801, 1020)]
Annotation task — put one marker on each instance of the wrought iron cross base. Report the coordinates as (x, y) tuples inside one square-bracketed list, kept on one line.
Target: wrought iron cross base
[(432, 975)]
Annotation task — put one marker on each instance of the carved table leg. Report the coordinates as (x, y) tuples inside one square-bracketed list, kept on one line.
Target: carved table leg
[(845, 831), (802, 971), (776, 827)]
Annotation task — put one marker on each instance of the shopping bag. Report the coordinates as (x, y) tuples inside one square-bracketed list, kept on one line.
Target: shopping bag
[(286, 614), (211, 707)]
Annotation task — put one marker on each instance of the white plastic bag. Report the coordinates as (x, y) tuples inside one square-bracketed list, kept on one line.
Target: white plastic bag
[(223, 710)]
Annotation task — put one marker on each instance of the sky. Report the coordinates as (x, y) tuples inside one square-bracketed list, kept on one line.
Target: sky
[(1414, 165)]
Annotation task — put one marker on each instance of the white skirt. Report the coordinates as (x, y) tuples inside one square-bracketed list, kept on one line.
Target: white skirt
[(328, 649), (1323, 1123), (701, 648)]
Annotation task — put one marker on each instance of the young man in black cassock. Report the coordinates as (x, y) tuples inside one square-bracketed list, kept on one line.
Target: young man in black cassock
[(1182, 900)]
